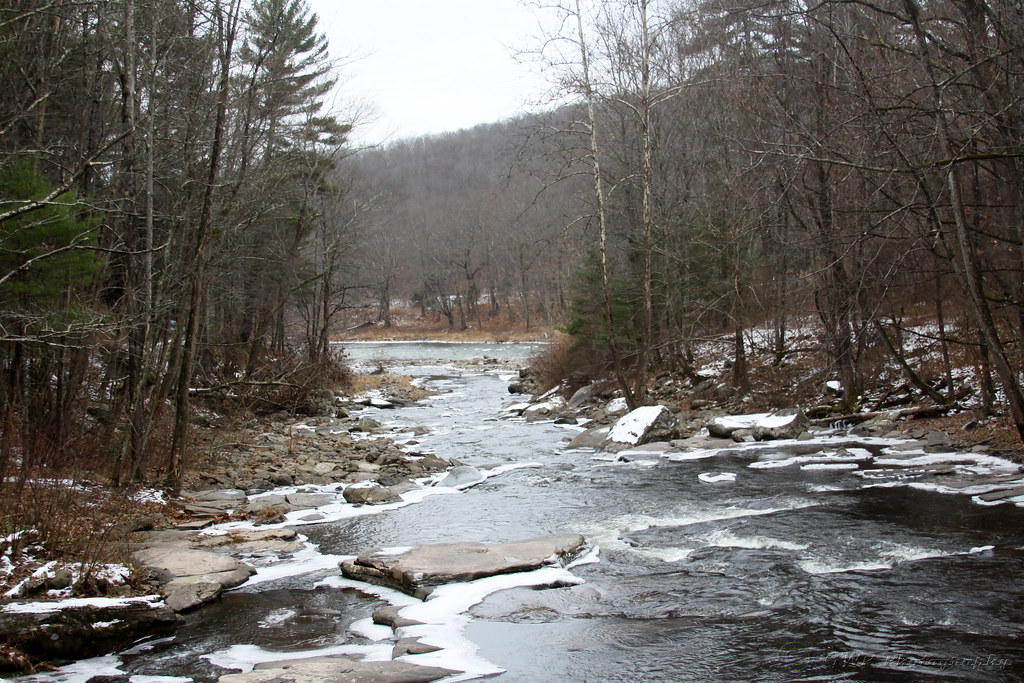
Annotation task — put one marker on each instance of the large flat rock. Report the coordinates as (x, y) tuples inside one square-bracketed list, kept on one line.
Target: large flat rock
[(192, 578), (417, 571), (338, 670), (175, 562)]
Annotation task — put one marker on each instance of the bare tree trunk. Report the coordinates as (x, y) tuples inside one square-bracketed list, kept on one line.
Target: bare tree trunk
[(226, 29), (595, 153), (647, 329)]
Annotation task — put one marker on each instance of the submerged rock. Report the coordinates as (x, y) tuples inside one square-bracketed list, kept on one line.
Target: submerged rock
[(417, 571)]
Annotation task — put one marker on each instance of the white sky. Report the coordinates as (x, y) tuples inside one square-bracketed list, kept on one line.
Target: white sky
[(429, 66)]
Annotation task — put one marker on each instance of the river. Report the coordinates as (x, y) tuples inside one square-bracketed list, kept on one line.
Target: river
[(777, 565)]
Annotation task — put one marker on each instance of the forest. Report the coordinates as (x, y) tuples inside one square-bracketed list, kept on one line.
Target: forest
[(183, 214)]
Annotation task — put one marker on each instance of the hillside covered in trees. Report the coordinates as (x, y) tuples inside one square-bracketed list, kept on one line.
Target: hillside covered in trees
[(181, 217)]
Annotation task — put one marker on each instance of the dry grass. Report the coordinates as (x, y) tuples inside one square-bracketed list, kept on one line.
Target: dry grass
[(388, 384), (408, 325)]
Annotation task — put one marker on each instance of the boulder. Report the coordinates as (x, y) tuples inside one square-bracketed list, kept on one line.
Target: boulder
[(781, 425), (223, 498), (171, 562), (338, 670), (411, 646), (591, 438), (303, 501), (257, 505), (760, 427), (390, 616), (583, 396), (188, 593), (432, 462), (370, 495), (462, 477), (643, 425), (188, 576), (417, 571)]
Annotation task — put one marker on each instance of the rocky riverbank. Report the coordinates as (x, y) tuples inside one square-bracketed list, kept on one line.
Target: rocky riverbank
[(262, 479)]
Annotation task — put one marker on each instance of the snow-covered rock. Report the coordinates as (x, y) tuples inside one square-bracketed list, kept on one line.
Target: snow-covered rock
[(462, 476), (640, 426), (761, 426)]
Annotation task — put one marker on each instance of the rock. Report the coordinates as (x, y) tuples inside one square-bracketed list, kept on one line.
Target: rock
[(433, 463), (338, 670), (323, 468), (743, 436), (1002, 494), (46, 630), (411, 646), (369, 495), (191, 592), (188, 576), (257, 505), (722, 427), (462, 477), (583, 396), (389, 616), (228, 498), (366, 425), (591, 438), (643, 425), (204, 510), (174, 562), (417, 571), (781, 425), (302, 501), (281, 479)]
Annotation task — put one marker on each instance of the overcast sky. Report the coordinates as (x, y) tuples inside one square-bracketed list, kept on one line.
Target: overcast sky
[(429, 66)]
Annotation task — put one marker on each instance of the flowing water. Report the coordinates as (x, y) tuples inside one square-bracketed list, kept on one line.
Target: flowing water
[(795, 568)]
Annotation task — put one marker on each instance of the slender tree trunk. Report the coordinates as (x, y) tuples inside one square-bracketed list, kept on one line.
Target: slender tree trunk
[(226, 24), (595, 153)]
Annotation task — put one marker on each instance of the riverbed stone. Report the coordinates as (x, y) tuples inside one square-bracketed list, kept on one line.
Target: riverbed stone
[(411, 646), (390, 615), (338, 670), (257, 505), (303, 501), (226, 498), (370, 495), (462, 476), (174, 562), (592, 438), (417, 571), (790, 430), (191, 592)]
